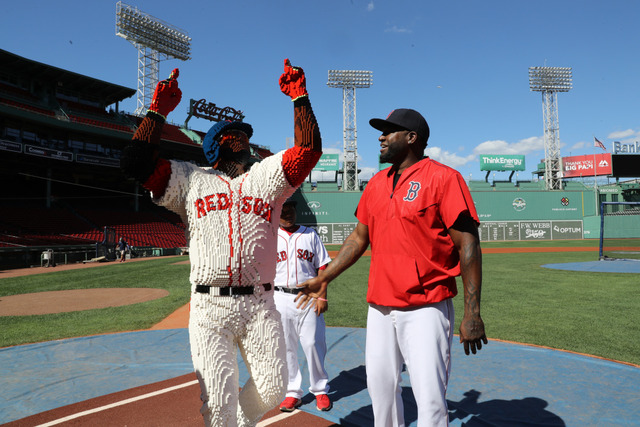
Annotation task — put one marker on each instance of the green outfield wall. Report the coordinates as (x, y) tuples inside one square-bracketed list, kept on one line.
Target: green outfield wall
[(506, 212)]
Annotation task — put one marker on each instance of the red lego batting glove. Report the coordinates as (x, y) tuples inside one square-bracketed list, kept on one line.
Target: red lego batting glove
[(167, 95), (293, 82)]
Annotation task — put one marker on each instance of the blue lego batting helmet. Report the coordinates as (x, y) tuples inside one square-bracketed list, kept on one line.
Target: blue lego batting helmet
[(211, 144)]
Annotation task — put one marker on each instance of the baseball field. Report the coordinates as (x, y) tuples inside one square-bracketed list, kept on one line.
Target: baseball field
[(583, 312)]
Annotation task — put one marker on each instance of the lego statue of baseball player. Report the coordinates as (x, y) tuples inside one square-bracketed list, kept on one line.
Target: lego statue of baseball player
[(300, 255), (232, 218)]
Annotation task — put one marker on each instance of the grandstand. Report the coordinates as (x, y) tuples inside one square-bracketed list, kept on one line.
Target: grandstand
[(62, 134), (61, 137)]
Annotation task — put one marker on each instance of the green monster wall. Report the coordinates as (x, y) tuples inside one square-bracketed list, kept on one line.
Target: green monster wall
[(513, 213)]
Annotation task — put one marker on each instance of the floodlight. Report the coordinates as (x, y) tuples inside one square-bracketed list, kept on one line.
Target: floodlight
[(549, 81), (140, 28), (153, 38), (554, 79), (349, 80), (352, 78)]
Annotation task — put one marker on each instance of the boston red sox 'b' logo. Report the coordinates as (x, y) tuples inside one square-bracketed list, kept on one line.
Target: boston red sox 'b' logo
[(412, 192)]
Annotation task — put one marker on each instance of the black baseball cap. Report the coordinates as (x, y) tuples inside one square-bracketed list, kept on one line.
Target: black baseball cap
[(405, 119)]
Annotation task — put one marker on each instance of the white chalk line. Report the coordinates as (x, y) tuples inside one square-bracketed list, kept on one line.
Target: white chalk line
[(264, 423)]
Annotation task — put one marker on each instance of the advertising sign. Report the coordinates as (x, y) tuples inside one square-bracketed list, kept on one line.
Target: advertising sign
[(328, 162), (626, 148), (334, 233), (46, 152), (16, 147), (502, 162), (97, 160), (577, 166), (210, 111), (530, 230), (626, 165)]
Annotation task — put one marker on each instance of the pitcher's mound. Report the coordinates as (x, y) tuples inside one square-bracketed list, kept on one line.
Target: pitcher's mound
[(75, 300)]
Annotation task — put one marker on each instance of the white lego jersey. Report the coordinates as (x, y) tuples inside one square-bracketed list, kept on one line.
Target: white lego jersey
[(231, 223), (300, 254)]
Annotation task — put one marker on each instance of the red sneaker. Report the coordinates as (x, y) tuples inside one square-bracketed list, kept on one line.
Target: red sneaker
[(323, 403), (289, 404)]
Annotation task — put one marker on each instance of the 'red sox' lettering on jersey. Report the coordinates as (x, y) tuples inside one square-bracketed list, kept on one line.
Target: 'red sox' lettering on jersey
[(213, 202), (305, 255), (221, 202), (300, 255), (282, 256), (240, 248)]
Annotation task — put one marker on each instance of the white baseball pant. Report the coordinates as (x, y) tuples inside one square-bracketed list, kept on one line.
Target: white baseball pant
[(420, 338), (219, 325), (308, 328)]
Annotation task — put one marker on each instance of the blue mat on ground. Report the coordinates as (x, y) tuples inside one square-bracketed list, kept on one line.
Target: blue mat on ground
[(505, 384), (608, 266)]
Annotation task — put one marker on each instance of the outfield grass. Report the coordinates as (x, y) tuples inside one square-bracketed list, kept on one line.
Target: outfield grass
[(592, 313), (162, 273)]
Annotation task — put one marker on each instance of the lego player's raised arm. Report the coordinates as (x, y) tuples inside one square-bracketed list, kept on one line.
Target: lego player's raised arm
[(303, 156), (140, 159)]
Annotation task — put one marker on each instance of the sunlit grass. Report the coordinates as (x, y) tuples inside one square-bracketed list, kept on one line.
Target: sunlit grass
[(585, 312)]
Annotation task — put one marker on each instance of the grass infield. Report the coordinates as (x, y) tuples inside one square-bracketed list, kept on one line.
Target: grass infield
[(585, 312)]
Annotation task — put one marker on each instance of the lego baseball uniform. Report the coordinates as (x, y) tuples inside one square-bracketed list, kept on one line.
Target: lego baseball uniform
[(232, 222), (300, 255)]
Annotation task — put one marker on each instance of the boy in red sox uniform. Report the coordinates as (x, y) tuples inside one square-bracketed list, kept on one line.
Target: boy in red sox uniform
[(300, 255), (232, 216), (421, 222)]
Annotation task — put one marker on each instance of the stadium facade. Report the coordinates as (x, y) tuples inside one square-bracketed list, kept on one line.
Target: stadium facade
[(61, 136)]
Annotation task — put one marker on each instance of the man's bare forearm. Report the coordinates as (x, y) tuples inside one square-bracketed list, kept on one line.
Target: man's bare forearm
[(464, 234), (351, 250), (471, 272)]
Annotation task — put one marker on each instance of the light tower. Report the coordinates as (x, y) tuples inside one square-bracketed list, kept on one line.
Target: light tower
[(155, 41), (349, 80), (550, 81)]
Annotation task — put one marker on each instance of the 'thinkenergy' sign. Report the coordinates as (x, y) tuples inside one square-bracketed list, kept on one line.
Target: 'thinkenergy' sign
[(502, 162)]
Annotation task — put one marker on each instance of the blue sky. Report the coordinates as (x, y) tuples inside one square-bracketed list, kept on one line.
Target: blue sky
[(462, 63)]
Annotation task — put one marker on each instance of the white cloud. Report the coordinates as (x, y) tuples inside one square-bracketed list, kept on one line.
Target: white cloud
[(370, 6), (578, 145), (450, 159), (366, 173), (622, 134), (524, 146), (458, 160), (625, 136), (396, 29), (332, 150)]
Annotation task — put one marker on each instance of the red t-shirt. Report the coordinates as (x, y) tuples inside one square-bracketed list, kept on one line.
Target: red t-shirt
[(413, 260)]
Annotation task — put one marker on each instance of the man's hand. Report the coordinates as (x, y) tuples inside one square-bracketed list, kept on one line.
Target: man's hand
[(472, 333), (167, 95), (311, 290), (321, 306), (293, 83)]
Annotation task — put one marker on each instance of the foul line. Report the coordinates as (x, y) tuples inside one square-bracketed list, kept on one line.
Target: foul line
[(277, 418), (114, 405), (148, 395)]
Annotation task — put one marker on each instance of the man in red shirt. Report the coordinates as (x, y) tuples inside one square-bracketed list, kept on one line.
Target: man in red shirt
[(421, 223)]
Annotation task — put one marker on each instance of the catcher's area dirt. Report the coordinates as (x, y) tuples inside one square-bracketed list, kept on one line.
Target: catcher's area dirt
[(87, 299)]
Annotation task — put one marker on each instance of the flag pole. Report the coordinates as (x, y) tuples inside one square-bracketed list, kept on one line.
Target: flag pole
[(595, 176)]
